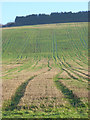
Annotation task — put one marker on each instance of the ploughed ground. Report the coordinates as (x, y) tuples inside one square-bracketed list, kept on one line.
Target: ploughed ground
[(41, 91)]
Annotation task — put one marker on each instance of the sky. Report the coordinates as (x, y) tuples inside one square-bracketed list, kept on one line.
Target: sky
[(9, 10)]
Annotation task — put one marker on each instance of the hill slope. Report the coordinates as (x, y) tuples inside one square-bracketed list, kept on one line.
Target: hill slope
[(45, 71)]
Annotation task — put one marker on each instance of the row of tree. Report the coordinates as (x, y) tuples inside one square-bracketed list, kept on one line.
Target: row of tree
[(35, 19)]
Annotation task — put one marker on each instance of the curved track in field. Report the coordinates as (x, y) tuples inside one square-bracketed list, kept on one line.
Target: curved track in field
[(46, 59), (42, 90)]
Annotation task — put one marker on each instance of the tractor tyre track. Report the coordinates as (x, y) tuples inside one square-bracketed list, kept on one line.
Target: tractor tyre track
[(42, 90)]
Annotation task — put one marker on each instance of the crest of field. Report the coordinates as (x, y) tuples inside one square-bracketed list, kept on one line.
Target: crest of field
[(48, 64), (58, 25)]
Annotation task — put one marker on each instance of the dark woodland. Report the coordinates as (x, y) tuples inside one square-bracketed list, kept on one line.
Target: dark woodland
[(63, 17)]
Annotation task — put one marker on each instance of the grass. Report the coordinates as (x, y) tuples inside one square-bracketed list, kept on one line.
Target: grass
[(17, 96), (66, 45), (63, 112), (73, 99), (35, 41)]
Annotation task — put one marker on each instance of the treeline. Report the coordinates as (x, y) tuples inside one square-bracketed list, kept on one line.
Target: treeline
[(63, 17)]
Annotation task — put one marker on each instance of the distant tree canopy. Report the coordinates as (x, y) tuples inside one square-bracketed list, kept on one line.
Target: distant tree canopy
[(62, 17)]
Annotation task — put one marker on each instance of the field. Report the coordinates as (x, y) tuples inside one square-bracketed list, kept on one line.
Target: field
[(45, 71)]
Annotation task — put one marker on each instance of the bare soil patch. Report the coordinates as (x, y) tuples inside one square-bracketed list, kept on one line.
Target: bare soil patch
[(41, 62), (64, 75), (42, 90), (77, 90), (10, 85), (9, 66)]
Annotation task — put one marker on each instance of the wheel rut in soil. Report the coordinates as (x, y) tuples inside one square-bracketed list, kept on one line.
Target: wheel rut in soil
[(42, 90)]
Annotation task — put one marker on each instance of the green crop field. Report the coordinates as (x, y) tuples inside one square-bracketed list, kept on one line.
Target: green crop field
[(45, 71)]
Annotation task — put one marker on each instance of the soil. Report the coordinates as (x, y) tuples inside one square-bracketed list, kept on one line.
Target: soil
[(42, 90)]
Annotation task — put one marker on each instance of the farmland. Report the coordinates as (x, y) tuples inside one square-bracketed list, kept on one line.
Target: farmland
[(45, 71)]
